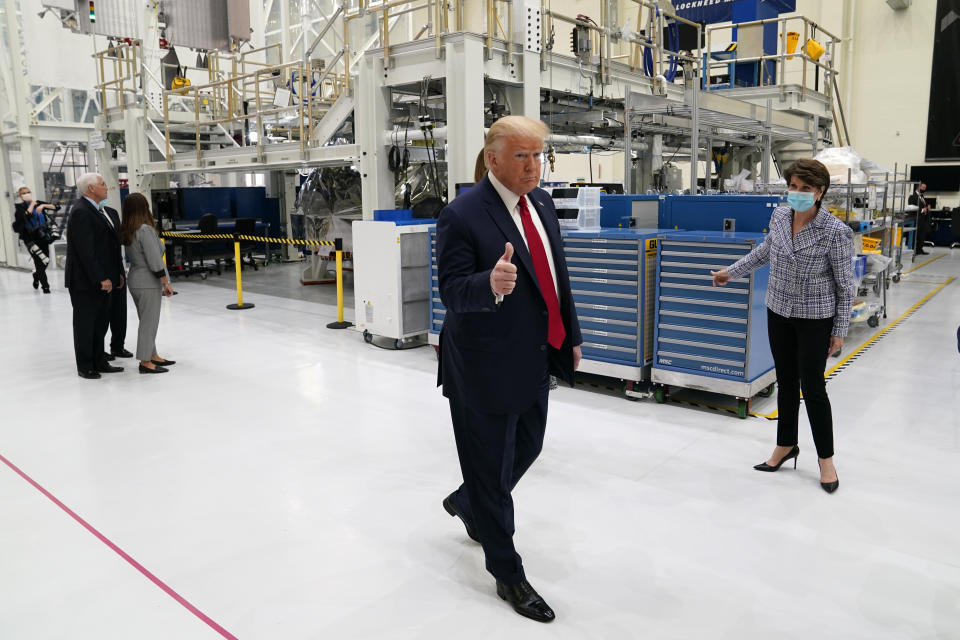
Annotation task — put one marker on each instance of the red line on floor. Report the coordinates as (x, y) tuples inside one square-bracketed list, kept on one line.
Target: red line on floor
[(123, 554)]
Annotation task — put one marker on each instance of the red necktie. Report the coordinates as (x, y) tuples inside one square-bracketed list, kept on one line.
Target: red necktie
[(555, 331)]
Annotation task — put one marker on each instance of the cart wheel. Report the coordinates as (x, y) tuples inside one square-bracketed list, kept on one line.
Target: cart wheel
[(873, 321), (367, 337), (398, 344), (659, 394), (629, 385), (742, 406), (896, 277), (766, 393)]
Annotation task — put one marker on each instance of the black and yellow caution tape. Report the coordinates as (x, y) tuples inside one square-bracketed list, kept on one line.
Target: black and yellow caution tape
[(230, 236)]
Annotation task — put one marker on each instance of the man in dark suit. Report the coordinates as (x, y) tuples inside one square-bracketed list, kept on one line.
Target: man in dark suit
[(94, 270), (510, 323), (118, 308), (923, 217)]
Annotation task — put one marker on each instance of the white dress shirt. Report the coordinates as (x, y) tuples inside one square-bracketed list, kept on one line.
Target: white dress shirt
[(512, 202), (101, 210)]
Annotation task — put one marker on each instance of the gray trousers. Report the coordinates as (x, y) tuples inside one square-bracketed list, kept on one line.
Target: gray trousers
[(147, 302)]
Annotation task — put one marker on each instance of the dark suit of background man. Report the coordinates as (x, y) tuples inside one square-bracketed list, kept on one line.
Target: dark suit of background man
[(94, 270), (923, 217), (510, 324), (118, 308)]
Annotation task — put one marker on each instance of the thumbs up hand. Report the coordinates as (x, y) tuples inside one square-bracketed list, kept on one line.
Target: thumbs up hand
[(503, 277)]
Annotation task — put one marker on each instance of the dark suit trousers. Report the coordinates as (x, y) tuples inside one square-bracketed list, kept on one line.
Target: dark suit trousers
[(118, 318), (799, 347), (91, 316), (495, 451)]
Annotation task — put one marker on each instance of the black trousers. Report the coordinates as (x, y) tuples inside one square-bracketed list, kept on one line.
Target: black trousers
[(495, 451), (799, 347), (91, 316), (923, 230), (40, 251), (118, 318)]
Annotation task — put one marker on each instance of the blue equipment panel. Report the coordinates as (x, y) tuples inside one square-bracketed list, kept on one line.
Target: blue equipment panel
[(612, 279), (714, 332), (750, 213), (617, 209)]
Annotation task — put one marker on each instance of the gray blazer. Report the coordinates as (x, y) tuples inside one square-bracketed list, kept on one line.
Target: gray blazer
[(146, 260)]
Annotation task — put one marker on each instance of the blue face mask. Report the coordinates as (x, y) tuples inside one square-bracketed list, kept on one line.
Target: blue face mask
[(102, 203), (799, 200)]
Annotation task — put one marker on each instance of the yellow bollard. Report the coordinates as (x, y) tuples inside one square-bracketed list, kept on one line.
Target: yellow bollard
[(340, 323), (239, 306)]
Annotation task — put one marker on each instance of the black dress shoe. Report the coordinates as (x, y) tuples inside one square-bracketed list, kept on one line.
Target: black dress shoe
[(163, 363), (36, 281), (156, 369), (526, 601), (108, 357), (108, 368), (829, 487), (121, 353), (46, 290), (451, 508), (793, 453), (89, 375)]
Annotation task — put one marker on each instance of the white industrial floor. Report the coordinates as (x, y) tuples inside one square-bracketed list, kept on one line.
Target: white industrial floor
[(284, 482)]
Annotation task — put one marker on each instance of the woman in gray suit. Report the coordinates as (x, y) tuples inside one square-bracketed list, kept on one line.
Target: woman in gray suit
[(147, 280)]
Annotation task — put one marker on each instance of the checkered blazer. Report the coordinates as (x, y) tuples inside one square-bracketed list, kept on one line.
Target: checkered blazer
[(811, 275)]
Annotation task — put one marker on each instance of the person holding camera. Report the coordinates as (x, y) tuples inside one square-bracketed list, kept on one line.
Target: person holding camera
[(32, 225)]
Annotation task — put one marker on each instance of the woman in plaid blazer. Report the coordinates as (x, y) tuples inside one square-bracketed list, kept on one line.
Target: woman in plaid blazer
[(809, 298)]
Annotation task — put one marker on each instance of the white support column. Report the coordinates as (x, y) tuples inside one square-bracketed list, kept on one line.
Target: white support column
[(29, 145), (527, 24), (371, 119), (8, 246), (138, 152), (288, 201), (286, 42), (464, 111), (107, 169)]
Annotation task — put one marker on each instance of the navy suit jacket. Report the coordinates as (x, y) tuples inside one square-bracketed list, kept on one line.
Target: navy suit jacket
[(93, 249), (493, 357)]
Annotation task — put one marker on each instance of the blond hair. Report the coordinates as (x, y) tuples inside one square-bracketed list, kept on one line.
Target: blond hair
[(507, 126)]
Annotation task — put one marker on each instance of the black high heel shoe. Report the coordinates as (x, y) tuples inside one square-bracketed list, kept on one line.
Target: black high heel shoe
[(794, 453), (829, 487)]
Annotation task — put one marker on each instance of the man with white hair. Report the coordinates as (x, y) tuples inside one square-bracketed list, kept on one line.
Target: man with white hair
[(94, 270), (510, 323)]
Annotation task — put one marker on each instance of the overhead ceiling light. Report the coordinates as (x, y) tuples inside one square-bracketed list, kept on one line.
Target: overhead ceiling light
[(899, 5)]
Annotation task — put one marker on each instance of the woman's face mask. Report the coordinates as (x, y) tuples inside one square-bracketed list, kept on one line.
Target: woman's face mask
[(26, 196)]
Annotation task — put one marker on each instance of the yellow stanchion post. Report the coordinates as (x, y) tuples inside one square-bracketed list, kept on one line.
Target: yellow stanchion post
[(239, 306), (340, 323)]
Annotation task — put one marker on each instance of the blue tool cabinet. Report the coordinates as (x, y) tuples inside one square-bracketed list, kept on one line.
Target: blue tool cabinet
[(437, 311), (612, 279), (710, 338)]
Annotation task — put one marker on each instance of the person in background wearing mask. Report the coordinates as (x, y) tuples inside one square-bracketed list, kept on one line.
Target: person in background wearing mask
[(94, 270), (923, 217), (809, 298), (30, 222)]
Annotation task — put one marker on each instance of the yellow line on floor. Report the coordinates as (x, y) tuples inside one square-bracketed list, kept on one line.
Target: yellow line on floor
[(872, 339), (923, 264)]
